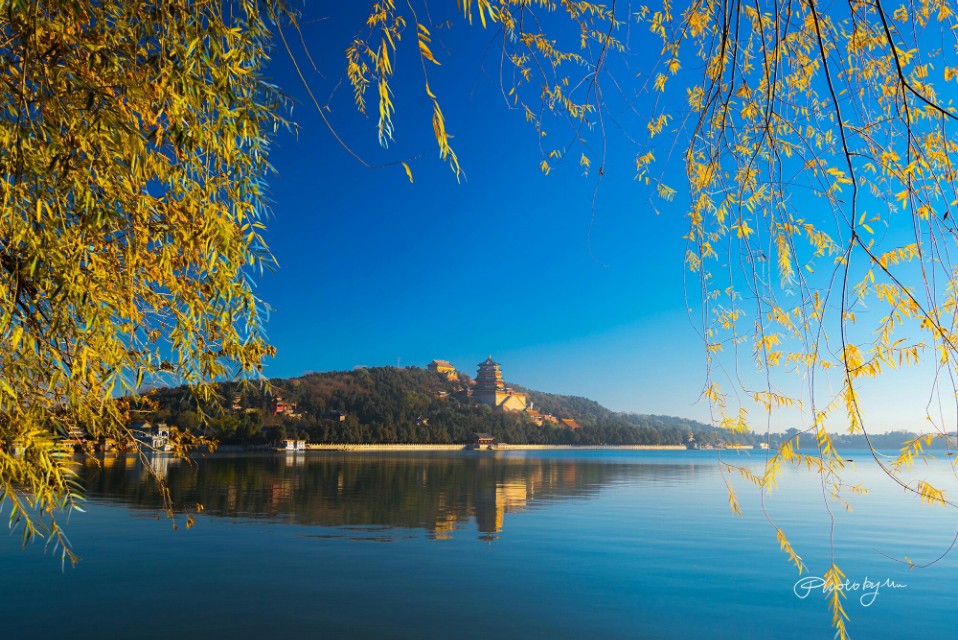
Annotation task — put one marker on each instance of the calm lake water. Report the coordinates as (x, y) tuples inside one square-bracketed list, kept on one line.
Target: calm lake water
[(553, 544)]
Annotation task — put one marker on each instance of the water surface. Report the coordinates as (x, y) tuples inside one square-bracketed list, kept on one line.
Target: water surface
[(551, 544)]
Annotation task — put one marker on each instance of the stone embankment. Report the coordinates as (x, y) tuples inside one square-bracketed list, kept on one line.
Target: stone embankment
[(498, 447)]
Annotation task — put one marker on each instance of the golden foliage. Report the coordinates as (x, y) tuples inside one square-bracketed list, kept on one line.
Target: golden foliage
[(134, 139), (835, 588), (561, 74), (789, 551)]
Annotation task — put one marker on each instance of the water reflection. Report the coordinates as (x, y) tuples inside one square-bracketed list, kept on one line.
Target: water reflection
[(373, 496)]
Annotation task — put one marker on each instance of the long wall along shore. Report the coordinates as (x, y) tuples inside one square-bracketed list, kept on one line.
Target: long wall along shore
[(438, 407)]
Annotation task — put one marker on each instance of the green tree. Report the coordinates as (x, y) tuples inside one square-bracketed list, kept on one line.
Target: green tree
[(134, 141)]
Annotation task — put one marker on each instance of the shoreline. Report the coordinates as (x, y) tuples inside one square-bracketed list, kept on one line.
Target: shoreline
[(230, 449), (451, 447), (498, 447)]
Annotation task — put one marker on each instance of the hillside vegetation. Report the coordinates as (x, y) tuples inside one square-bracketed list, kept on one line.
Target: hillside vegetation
[(406, 405)]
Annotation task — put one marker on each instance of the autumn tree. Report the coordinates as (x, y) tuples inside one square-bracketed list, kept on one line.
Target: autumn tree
[(133, 142), (817, 143)]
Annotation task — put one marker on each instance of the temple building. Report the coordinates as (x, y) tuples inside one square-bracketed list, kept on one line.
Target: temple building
[(445, 368), (490, 390), (538, 418)]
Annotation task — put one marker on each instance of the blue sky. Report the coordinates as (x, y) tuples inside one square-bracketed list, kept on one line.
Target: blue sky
[(377, 271), (575, 286)]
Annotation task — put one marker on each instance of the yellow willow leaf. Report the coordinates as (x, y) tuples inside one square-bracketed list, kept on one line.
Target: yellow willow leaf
[(665, 192), (483, 7), (743, 230), (408, 171), (930, 494), (787, 548), (424, 46), (15, 338), (8, 389), (733, 502)]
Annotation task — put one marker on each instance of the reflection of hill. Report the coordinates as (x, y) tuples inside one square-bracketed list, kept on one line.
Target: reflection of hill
[(436, 493)]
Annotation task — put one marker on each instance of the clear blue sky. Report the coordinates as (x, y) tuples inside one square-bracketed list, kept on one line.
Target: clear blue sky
[(377, 271), (569, 297)]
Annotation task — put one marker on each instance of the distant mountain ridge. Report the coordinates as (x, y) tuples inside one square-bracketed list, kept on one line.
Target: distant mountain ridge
[(409, 405)]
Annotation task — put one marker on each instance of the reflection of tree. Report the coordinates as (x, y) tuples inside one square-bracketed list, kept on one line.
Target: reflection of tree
[(436, 493)]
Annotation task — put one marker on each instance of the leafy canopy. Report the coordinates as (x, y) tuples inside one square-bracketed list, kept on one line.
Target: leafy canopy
[(133, 141)]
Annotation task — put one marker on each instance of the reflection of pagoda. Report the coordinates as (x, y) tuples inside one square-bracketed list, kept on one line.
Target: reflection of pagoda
[(490, 390), (492, 505)]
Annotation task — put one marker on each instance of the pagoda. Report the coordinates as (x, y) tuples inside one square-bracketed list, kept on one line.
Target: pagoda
[(489, 376), (490, 390)]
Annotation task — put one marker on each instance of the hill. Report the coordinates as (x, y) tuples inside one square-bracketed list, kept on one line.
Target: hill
[(407, 405)]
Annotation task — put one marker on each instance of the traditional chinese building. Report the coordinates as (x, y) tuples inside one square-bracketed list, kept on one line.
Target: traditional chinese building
[(443, 367), (490, 390), (482, 439), (153, 438), (540, 418), (282, 407)]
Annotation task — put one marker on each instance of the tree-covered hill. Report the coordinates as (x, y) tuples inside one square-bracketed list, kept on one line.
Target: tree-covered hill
[(406, 405)]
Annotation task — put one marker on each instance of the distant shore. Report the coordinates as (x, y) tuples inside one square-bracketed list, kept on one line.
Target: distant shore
[(498, 447), (452, 447)]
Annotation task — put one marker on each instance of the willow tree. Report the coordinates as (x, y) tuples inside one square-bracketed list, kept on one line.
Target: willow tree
[(818, 154), (820, 158), (133, 140)]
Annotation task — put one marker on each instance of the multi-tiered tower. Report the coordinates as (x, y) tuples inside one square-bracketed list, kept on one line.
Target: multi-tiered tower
[(491, 390), (489, 376)]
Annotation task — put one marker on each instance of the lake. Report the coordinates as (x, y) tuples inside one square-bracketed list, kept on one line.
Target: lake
[(478, 544)]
